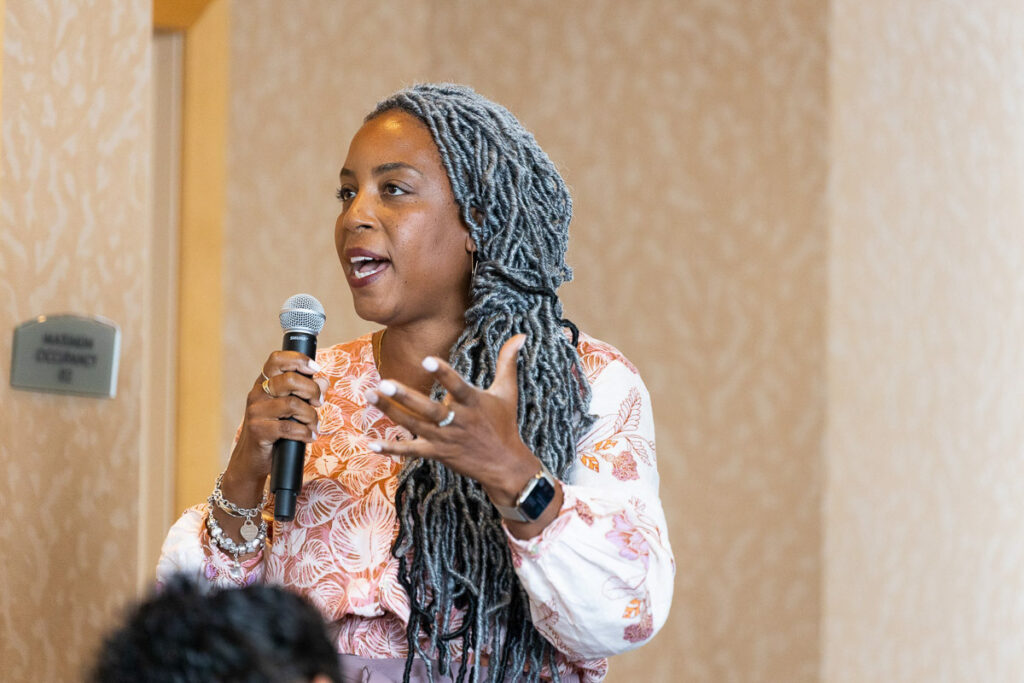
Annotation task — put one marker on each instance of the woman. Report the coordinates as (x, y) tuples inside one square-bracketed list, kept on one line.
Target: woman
[(430, 529)]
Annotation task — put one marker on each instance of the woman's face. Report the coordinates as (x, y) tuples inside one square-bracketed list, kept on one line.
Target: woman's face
[(402, 244)]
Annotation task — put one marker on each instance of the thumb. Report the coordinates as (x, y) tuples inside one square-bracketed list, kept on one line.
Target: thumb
[(505, 382)]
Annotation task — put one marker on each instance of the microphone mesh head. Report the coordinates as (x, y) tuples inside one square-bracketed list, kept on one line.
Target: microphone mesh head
[(302, 313)]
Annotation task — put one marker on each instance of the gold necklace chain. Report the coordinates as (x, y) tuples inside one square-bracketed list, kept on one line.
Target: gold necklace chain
[(377, 357)]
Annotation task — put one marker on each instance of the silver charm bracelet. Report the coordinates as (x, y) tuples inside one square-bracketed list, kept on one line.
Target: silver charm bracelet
[(229, 507), (249, 529)]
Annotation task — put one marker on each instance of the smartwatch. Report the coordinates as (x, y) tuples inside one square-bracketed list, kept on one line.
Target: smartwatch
[(533, 499)]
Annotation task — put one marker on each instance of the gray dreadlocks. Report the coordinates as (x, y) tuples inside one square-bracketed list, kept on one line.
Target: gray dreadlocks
[(452, 551)]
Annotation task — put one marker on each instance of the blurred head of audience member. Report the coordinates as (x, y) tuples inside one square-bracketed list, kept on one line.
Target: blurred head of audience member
[(185, 634)]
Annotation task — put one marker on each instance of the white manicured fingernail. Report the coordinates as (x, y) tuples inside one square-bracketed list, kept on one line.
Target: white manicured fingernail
[(430, 364), (388, 388), (371, 396), (316, 435), (314, 366), (375, 446)]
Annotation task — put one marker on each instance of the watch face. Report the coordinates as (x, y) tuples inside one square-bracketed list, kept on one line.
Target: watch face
[(537, 500)]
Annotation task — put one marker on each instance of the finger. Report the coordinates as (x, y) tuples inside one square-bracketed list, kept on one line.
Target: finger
[(415, 422), (294, 384), (290, 361), (417, 448), (322, 384), (282, 408), (505, 380), (458, 388), (269, 431), (413, 401)]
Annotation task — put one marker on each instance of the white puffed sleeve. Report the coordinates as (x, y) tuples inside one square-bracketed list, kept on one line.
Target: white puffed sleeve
[(187, 549), (599, 577)]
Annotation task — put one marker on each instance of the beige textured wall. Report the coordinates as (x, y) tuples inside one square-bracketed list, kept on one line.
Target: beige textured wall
[(693, 136), (925, 451), (73, 195)]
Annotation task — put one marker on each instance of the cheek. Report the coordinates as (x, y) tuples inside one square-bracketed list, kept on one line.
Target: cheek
[(439, 262), (448, 248), (338, 234)]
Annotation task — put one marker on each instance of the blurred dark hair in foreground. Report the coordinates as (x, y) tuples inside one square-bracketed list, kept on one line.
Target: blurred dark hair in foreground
[(187, 634)]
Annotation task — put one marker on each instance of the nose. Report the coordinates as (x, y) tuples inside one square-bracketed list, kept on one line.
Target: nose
[(359, 213)]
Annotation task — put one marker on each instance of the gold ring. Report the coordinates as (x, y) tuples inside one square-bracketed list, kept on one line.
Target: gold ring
[(266, 388), (264, 375), (447, 420)]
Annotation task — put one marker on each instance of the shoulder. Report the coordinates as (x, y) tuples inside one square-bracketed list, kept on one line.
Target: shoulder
[(596, 356)]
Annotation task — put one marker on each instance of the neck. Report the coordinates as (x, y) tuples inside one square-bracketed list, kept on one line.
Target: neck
[(403, 348)]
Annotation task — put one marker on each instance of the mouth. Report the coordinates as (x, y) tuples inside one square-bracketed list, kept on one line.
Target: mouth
[(363, 267)]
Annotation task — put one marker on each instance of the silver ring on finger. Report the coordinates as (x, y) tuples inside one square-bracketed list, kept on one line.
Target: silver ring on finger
[(449, 418), (266, 388)]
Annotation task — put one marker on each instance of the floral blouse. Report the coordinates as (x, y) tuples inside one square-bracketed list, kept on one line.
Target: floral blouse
[(599, 576)]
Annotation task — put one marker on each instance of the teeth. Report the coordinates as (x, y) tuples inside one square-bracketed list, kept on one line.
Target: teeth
[(360, 275), (360, 271)]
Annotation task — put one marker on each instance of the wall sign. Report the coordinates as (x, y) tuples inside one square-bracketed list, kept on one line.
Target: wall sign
[(66, 354)]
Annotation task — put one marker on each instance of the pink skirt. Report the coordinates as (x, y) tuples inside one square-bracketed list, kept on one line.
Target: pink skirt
[(363, 670)]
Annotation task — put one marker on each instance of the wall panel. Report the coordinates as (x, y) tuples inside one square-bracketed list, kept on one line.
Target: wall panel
[(925, 449), (73, 212)]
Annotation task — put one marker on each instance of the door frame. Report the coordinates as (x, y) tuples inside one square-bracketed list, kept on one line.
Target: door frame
[(194, 460)]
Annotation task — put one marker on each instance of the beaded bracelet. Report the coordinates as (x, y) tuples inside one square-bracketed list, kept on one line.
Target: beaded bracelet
[(228, 545)]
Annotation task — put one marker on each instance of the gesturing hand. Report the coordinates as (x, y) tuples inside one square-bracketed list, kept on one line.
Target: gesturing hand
[(480, 434)]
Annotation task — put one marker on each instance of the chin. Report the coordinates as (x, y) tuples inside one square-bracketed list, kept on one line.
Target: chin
[(368, 315), (369, 311)]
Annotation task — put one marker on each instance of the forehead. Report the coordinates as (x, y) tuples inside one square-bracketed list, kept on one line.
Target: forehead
[(394, 136)]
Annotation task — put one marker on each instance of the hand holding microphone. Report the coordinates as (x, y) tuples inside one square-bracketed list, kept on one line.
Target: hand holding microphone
[(280, 416), (302, 318)]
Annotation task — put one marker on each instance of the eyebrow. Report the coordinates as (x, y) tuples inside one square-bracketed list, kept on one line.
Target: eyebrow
[(385, 168)]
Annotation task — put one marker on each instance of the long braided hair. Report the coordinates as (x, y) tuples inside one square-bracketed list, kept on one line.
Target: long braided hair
[(453, 554)]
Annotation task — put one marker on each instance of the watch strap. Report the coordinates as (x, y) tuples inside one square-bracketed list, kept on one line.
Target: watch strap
[(534, 488), (512, 512)]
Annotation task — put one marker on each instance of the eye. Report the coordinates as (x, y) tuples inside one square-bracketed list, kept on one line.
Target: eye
[(344, 194), (393, 190)]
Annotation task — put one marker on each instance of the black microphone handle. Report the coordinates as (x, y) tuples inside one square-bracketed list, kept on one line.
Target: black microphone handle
[(288, 456)]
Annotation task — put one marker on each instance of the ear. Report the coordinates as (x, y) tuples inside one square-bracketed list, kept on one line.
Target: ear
[(470, 244)]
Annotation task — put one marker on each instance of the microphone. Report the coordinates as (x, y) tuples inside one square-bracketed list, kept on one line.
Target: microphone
[(302, 318)]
